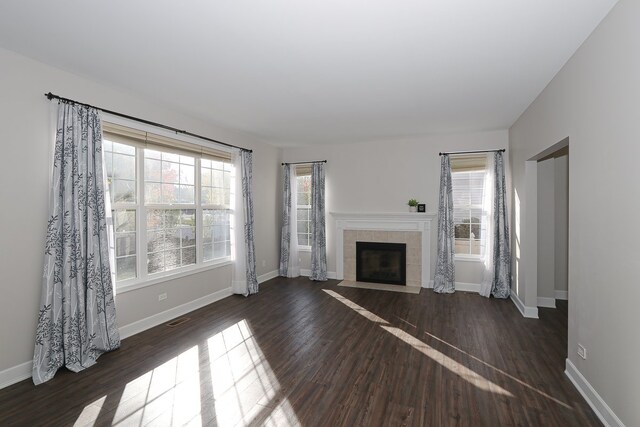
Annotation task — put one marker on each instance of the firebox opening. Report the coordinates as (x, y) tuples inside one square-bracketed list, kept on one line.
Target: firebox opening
[(379, 262)]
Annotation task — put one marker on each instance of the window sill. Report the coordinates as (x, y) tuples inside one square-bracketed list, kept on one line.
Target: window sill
[(304, 248), (134, 284), (468, 258)]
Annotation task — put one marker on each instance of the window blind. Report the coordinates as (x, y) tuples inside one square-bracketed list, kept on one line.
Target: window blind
[(152, 141), (468, 163), (303, 170)]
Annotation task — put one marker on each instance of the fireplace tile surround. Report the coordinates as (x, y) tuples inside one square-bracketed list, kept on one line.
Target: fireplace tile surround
[(413, 229)]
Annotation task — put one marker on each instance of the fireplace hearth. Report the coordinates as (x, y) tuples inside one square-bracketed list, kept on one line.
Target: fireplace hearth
[(379, 262)]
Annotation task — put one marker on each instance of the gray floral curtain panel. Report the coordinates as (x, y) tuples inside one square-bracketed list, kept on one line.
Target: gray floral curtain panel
[(318, 236), (246, 162), (285, 237), (77, 319), (501, 286), (445, 278)]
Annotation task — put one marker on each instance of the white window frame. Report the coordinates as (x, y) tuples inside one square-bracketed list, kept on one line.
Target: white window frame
[(468, 257), (143, 278), (303, 248)]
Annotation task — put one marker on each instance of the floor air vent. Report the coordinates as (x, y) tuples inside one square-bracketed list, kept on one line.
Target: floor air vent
[(179, 321)]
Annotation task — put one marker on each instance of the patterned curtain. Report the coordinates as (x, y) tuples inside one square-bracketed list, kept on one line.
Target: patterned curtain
[(289, 266), (445, 277), (245, 280), (77, 319), (501, 251), (318, 236)]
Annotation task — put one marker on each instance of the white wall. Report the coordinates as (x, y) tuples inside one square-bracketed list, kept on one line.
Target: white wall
[(595, 101), (561, 223), (25, 139), (546, 231), (382, 176)]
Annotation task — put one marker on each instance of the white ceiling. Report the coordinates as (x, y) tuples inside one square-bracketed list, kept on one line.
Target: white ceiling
[(297, 72)]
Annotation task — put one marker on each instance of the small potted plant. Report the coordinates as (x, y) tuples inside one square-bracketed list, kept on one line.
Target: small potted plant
[(413, 205)]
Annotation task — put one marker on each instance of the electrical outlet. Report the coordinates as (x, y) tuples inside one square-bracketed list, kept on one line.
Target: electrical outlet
[(264, 263), (582, 352), (162, 296)]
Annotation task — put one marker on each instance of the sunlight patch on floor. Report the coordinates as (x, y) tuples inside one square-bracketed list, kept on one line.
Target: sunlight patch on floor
[(227, 381), (172, 395), (506, 374), (355, 307), (438, 357), (90, 413), (243, 384)]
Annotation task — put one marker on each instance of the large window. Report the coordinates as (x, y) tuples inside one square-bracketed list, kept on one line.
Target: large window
[(303, 181), (171, 208), (467, 175)]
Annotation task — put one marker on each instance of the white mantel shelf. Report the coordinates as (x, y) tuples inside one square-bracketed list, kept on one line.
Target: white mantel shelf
[(386, 221), (384, 216)]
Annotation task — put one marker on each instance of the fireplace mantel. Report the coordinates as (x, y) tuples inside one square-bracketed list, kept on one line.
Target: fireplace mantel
[(385, 221)]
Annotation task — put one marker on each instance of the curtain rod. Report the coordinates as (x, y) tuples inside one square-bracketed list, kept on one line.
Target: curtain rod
[(305, 163), (51, 96), (499, 150)]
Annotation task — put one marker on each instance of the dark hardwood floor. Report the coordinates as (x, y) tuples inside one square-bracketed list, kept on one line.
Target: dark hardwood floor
[(304, 353)]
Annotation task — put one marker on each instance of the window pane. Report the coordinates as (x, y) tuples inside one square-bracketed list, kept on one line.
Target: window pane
[(124, 167), (152, 154), (207, 252), (187, 174), (155, 262), (187, 236), (462, 246), (155, 219), (152, 192), (125, 268), (475, 247), (123, 148), (462, 231), (186, 194), (303, 240), (170, 193), (205, 175), (169, 178), (170, 172), (303, 226), (218, 180), (123, 191), (303, 214), (124, 220), (171, 259), (155, 241), (219, 250), (216, 234), (125, 244), (188, 256), (304, 199), (172, 238), (152, 170), (170, 157)]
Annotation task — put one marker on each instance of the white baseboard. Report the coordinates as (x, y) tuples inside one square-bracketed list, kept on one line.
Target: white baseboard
[(15, 374), (428, 285), (599, 406), (563, 295), (163, 317), (306, 273), (546, 302), (528, 312), (468, 287), (268, 276)]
